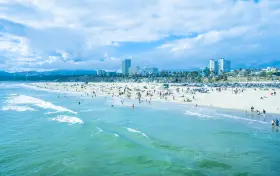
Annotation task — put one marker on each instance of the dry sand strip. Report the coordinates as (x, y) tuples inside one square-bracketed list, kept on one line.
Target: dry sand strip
[(243, 99)]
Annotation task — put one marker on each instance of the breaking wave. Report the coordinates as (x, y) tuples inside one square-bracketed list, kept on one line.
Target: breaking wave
[(23, 99), (197, 114), (67, 119), (135, 131), (241, 118), (17, 108)]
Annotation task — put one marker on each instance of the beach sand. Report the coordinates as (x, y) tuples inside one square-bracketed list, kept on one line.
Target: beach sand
[(149, 92)]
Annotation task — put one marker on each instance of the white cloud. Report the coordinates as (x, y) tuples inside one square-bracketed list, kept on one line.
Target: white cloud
[(205, 39), (87, 29)]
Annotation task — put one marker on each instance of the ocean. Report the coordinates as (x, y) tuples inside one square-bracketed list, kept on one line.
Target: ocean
[(50, 133)]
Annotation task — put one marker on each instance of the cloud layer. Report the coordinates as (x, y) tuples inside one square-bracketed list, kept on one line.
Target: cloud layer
[(88, 34)]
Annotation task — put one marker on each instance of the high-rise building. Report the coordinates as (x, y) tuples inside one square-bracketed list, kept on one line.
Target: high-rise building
[(224, 66), (138, 69), (213, 67), (126, 64)]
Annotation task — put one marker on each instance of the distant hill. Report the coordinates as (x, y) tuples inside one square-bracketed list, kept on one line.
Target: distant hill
[(51, 73), (2, 73)]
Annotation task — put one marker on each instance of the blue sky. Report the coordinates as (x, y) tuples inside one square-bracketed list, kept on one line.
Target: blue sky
[(169, 34)]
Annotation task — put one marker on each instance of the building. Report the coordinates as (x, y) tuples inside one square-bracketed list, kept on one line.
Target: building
[(224, 66), (126, 64), (149, 71), (213, 67), (138, 69), (153, 70), (270, 69), (101, 73), (111, 73)]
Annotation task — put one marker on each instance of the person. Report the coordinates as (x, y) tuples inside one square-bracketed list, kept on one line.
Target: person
[(264, 111), (252, 108), (79, 103), (277, 122), (272, 122)]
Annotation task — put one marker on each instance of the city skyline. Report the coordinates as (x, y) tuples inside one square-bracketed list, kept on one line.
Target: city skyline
[(165, 34)]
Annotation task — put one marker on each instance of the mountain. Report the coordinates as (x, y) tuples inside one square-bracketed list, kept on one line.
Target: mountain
[(2, 73), (51, 73)]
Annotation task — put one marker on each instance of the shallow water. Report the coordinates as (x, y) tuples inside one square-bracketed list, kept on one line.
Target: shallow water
[(41, 134)]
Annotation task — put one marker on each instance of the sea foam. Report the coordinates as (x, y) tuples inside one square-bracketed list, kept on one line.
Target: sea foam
[(135, 131), (67, 119), (197, 114), (241, 118), (23, 99), (17, 108)]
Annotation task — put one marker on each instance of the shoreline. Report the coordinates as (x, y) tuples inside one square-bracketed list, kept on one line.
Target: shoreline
[(226, 98)]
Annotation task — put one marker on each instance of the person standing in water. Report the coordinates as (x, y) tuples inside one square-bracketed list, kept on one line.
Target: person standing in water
[(252, 108), (277, 122), (272, 122)]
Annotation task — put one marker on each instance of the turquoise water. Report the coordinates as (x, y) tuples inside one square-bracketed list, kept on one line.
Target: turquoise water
[(41, 134)]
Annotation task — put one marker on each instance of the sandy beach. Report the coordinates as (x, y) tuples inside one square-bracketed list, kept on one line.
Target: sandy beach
[(229, 98)]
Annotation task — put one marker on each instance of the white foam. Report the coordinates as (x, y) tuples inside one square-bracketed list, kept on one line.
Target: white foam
[(23, 99), (17, 108), (50, 113), (99, 130), (116, 135), (197, 114), (240, 118), (135, 131), (89, 110), (68, 119)]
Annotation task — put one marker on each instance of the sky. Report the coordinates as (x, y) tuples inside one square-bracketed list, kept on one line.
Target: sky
[(169, 34)]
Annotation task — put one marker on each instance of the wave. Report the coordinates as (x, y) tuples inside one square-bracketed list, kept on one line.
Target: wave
[(241, 118), (99, 130), (135, 131), (23, 99), (197, 114), (116, 135), (17, 108), (67, 119), (50, 113)]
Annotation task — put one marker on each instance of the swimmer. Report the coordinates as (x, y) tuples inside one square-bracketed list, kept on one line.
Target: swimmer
[(252, 108), (277, 122), (273, 122)]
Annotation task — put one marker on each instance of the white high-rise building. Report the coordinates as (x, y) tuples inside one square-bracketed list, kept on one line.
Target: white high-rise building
[(213, 67), (224, 66)]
